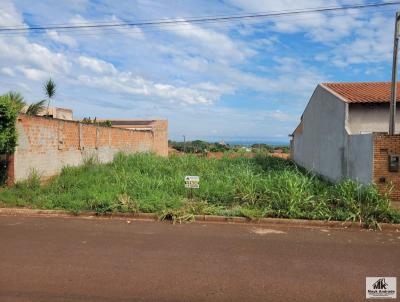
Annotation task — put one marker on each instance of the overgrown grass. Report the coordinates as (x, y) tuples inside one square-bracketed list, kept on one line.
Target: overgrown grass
[(250, 187)]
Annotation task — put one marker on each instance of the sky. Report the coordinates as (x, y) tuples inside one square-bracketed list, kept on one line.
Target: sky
[(241, 80)]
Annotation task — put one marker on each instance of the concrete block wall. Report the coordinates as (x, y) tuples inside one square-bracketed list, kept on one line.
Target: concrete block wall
[(46, 145), (358, 157), (385, 145)]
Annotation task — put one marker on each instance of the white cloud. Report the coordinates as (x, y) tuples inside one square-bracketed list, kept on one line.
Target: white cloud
[(97, 65), (213, 45), (281, 116), (354, 36), (78, 20), (282, 5), (290, 76), (322, 27), (7, 71), (60, 38), (33, 73), (18, 50), (44, 58), (372, 43), (194, 63), (133, 32), (266, 42), (127, 83), (9, 15)]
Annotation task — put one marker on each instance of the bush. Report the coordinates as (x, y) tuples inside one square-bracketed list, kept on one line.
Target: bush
[(8, 132)]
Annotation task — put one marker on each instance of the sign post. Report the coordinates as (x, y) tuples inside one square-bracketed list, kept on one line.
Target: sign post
[(192, 182)]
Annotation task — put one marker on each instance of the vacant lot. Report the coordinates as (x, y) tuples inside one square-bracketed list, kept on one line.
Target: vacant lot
[(252, 187)]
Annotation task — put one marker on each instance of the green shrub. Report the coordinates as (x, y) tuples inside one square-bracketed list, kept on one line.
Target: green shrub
[(8, 133)]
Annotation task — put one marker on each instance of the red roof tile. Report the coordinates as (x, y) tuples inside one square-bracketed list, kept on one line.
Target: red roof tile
[(364, 92)]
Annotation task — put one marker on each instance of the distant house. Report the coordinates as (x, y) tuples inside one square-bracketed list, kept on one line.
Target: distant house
[(55, 112), (343, 134)]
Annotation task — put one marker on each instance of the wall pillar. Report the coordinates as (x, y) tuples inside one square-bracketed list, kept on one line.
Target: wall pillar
[(385, 145)]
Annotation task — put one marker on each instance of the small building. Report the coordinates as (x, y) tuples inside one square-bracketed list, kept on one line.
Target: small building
[(343, 134), (55, 112)]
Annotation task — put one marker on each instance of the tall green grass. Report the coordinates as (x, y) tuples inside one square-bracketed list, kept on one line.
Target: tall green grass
[(252, 187)]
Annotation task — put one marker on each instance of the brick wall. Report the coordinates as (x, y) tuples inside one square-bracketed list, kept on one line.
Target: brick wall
[(46, 145), (385, 145)]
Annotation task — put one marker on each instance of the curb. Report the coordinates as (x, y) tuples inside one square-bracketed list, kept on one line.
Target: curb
[(25, 212)]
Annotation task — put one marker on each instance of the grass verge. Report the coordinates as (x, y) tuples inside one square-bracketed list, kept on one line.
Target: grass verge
[(249, 187)]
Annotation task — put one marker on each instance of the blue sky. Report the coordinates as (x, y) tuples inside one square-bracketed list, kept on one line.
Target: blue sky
[(229, 80)]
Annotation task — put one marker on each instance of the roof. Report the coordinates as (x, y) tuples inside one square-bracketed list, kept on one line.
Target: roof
[(131, 122), (127, 122), (363, 92)]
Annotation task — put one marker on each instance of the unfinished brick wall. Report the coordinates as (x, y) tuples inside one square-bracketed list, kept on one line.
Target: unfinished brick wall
[(385, 145), (47, 145)]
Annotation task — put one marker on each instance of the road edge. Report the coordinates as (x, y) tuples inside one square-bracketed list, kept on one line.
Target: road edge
[(26, 212)]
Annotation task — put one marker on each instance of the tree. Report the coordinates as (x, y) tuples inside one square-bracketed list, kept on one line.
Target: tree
[(36, 108), (8, 116), (50, 90), (16, 99)]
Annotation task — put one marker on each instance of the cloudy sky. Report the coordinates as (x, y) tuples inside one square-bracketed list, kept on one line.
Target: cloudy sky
[(225, 80)]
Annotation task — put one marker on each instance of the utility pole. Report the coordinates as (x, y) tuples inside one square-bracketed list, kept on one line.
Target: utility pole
[(392, 117), (184, 143)]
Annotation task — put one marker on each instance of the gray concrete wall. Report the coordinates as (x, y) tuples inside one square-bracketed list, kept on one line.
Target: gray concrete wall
[(360, 154), (320, 147), (368, 118)]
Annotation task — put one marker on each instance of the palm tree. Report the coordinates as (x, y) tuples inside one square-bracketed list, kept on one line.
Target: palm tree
[(17, 99), (36, 108), (50, 90)]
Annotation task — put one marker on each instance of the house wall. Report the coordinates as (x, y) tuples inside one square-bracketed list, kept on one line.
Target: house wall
[(320, 145), (46, 145), (63, 113), (370, 118), (359, 154), (385, 145)]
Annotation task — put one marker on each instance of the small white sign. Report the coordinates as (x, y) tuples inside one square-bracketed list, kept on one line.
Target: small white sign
[(192, 182), (380, 288)]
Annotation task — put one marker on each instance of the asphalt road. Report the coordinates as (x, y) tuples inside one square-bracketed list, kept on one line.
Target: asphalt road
[(74, 259)]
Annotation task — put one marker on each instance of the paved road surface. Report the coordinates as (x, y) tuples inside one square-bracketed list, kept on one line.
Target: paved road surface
[(74, 259)]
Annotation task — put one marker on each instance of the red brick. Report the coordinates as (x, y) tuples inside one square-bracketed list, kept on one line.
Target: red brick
[(46, 144), (385, 145)]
